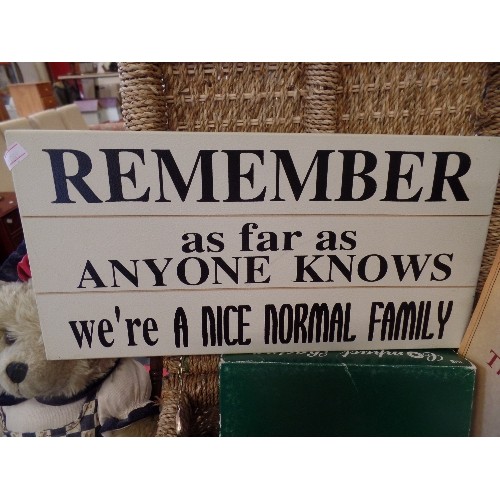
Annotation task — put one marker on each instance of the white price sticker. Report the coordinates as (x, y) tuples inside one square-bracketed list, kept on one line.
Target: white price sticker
[(14, 155)]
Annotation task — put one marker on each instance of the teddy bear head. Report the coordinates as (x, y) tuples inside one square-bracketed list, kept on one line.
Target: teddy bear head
[(24, 370)]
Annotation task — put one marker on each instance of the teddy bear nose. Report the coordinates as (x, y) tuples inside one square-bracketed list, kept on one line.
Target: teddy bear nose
[(17, 371)]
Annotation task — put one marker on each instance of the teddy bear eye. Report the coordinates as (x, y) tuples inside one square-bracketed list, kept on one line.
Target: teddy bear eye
[(9, 338)]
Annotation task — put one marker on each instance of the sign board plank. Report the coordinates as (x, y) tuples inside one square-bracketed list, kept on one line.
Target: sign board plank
[(153, 242), (253, 252), (173, 173), (147, 323)]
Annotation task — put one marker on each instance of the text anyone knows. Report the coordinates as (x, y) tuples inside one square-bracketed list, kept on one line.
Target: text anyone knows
[(254, 242)]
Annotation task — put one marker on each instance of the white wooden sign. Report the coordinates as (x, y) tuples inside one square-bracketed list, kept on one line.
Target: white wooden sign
[(168, 243)]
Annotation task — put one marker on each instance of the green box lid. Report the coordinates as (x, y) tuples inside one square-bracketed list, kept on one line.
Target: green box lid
[(347, 393)]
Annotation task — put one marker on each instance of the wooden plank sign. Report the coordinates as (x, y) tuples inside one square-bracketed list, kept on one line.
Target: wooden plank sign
[(169, 243)]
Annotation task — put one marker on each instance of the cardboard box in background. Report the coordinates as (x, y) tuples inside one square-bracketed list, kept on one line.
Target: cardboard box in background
[(348, 393), (481, 344)]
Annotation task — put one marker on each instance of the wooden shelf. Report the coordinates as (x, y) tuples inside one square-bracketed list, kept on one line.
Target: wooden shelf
[(84, 76), (31, 98)]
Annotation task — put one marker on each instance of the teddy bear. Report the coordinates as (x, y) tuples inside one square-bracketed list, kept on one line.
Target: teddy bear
[(77, 397)]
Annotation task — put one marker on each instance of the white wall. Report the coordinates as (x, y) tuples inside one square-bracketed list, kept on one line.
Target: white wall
[(34, 72)]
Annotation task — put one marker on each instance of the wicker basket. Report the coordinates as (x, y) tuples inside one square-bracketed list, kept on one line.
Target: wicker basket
[(376, 98)]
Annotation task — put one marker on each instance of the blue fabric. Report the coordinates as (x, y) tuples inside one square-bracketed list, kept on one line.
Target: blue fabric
[(8, 270), (113, 423)]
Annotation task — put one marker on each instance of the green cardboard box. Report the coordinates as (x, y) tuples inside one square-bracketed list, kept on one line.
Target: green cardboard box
[(347, 393)]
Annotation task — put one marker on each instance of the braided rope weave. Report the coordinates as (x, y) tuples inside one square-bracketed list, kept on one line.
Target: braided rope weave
[(410, 98), (143, 96), (374, 98)]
